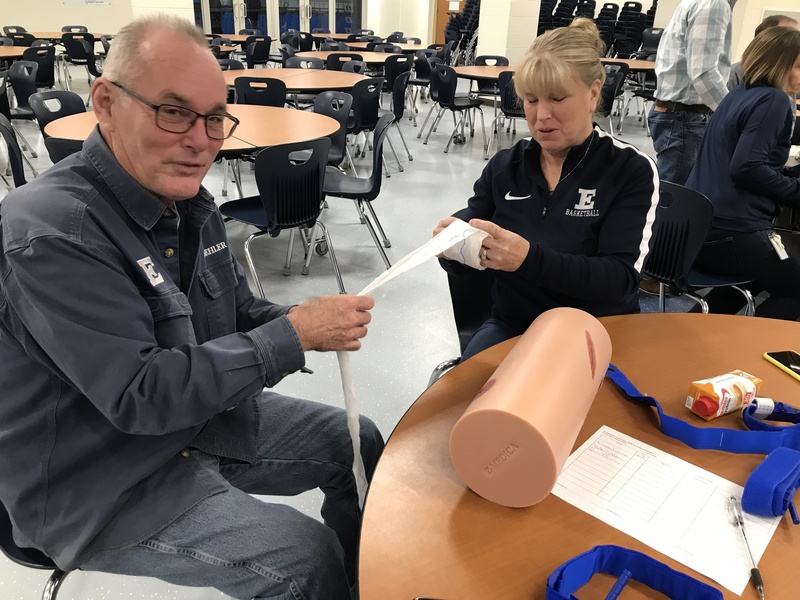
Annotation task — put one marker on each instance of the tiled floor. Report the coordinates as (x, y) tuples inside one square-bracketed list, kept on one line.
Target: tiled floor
[(412, 328)]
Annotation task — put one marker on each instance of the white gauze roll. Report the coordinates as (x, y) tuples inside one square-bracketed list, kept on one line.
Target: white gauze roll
[(467, 251)]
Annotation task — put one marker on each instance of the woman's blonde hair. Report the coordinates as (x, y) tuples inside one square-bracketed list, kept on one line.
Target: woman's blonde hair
[(559, 56), (769, 58)]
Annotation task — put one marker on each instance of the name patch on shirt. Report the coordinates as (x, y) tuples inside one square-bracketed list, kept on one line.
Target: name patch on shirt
[(585, 206), (214, 249), (149, 268)]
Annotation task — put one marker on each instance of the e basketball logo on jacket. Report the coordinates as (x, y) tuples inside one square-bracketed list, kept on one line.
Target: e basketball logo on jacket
[(585, 206)]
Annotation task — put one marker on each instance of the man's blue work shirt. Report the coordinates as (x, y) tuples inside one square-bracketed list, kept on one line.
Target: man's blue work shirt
[(127, 333)]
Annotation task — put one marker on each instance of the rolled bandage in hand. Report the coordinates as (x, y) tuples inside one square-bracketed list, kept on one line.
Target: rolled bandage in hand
[(515, 436), (468, 248)]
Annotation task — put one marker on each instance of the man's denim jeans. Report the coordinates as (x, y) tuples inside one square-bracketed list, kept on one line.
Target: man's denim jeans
[(248, 548), (676, 139)]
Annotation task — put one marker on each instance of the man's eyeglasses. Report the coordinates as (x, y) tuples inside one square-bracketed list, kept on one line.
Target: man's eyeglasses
[(179, 119)]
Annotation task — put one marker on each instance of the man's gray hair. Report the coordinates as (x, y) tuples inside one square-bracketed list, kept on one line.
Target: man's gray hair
[(123, 59)]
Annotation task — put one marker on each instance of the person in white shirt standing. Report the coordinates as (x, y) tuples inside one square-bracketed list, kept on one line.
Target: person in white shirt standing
[(692, 68)]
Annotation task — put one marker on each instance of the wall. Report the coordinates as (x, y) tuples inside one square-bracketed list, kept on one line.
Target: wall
[(751, 14), (507, 27), (181, 8), (413, 17), (51, 15)]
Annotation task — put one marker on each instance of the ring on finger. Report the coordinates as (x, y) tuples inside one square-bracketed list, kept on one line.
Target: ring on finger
[(483, 255)]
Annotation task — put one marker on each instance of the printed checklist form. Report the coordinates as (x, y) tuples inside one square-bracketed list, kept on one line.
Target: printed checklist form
[(669, 504)]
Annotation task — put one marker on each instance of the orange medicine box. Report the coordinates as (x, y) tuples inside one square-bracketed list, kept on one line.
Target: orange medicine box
[(716, 396)]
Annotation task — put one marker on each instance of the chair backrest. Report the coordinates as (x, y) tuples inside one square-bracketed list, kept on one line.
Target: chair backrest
[(333, 46), (378, 136), (337, 106), (291, 187), (249, 32), (58, 148), (40, 43), (45, 57), (337, 60), (364, 32), (105, 40), (263, 91), (74, 48), (216, 51), (74, 29), (221, 41), (510, 104), (615, 80), (27, 557), (306, 41), (423, 66), (6, 41), (399, 95), (22, 39), (91, 63), (256, 53), (446, 83), (18, 174), (9, 29), (491, 60), (394, 37), (320, 30), (409, 40), (291, 37), (22, 75), (366, 101), (257, 37), (304, 62), (354, 66), (371, 38), (651, 38), (54, 104), (393, 67), (5, 108), (230, 64), (388, 48), (287, 51), (683, 220)]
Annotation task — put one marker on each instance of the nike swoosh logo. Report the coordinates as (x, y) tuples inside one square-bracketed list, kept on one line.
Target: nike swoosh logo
[(511, 197)]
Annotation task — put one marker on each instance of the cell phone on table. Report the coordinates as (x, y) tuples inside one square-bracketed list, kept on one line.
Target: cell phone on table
[(786, 360)]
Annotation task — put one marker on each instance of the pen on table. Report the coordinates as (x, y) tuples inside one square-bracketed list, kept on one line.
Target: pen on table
[(738, 519)]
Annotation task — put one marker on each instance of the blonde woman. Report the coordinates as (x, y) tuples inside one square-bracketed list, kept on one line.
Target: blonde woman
[(569, 211), (740, 168)]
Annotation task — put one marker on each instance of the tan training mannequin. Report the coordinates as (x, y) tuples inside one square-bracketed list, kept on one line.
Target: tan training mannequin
[(513, 440)]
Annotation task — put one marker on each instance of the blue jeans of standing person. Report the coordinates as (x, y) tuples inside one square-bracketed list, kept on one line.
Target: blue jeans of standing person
[(248, 548), (676, 138)]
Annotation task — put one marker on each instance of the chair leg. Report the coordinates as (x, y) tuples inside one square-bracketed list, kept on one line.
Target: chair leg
[(224, 176), (236, 170), (25, 144), (662, 297), (53, 584), (483, 133), (386, 242), (287, 265), (374, 235), (396, 159), (750, 311), (250, 262), (332, 255), (441, 368), (433, 125), (403, 139), (425, 122), (703, 304), (459, 125)]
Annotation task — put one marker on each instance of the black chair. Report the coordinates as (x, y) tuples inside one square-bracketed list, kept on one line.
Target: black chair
[(261, 91), (358, 67), (249, 32), (366, 106), (304, 62), (23, 39), (336, 105), (393, 67), (409, 40), (398, 108), (29, 557), (334, 47), (45, 57), (18, 176), (54, 104), (683, 220), (257, 53), (74, 29), (320, 30), (487, 87), (105, 41), (364, 32), (616, 72), (446, 82), (651, 38), (22, 76), (6, 41), (380, 47), (335, 61), (421, 79), (9, 29), (76, 53), (395, 37), (364, 190), (443, 51), (291, 37), (290, 196), (510, 109), (305, 41), (286, 51), (59, 148), (230, 64)]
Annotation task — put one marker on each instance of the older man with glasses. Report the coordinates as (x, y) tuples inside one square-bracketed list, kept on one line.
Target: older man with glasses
[(134, 425)]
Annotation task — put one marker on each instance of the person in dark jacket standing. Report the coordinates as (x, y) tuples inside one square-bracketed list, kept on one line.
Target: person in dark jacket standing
[(741, 169), (134, 425), (569, 212)]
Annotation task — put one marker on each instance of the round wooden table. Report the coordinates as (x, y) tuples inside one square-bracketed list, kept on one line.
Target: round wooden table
[(337, 37), (407, 48), (491, 72), (259, 127), (371, 58), (9, 52), (301, 81), (425, 534), (55, 36)]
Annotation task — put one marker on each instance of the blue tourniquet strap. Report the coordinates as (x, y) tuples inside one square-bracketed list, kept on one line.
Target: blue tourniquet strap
[(625, 564), (772, 485)]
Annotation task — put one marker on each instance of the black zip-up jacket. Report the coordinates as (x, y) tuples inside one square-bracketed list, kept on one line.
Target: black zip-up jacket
[(589, 238)]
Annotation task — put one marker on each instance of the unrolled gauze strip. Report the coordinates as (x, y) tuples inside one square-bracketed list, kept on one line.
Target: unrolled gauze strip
[(513, 440), (455, 235)]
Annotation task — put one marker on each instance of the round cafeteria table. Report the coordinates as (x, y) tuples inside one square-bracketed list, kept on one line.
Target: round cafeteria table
[(301, 80), (424, 534), (259, 127), (9, 52), (407, 48), (55, 36), (371, 58)]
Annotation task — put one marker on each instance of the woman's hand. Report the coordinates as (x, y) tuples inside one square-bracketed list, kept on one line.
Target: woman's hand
[(503, 250), (442, 224)]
